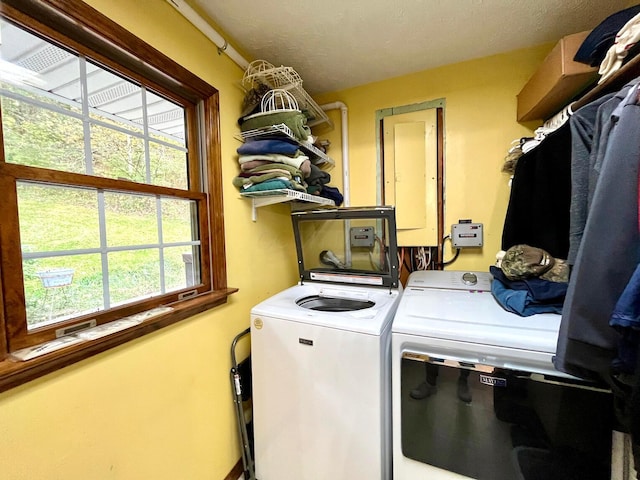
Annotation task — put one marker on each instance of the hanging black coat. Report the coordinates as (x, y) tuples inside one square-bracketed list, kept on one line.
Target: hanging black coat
[(538, 211)]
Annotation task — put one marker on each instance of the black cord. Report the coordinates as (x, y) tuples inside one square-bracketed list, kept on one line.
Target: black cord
[(405, 260), (455, 257)]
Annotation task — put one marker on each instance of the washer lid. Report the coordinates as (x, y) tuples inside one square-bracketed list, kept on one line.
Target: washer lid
[(372, 320), (354, 246)]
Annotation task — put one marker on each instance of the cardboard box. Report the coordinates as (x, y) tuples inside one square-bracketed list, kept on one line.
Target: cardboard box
[(556, 82)]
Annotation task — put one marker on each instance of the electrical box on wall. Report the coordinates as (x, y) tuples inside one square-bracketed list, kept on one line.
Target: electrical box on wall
[(362, 237), (466, 234)]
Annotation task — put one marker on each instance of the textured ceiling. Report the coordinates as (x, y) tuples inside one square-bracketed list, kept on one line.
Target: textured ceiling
[(337, 44)]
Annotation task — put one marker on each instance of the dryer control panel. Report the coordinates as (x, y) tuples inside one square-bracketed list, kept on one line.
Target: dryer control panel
[(451, 280)]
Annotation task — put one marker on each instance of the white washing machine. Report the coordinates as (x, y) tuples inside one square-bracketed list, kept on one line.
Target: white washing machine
[(320, 352), (494, 407)]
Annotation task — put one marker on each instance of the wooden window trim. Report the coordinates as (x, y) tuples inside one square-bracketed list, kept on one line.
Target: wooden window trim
[(13, 374), (85, 29)]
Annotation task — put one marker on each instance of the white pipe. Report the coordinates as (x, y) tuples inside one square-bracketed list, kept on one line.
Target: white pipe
[(223, 46), (345, 172), (345, 149)]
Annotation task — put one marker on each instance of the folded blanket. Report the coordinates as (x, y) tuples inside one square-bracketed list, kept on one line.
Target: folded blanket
[(294, 171), (276, 184), (295, 120), (520, 302), (271, 171), (245, 183), (246, 166), (332, 193), (305, 167), (259, 146), (539, 289), (275, 157), (317, 179), (281, 172), (242, 181)]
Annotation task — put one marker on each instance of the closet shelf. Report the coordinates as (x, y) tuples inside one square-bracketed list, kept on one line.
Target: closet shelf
[(315, 154), (615, 82), (558, 79), (301, 200), (285, 78)]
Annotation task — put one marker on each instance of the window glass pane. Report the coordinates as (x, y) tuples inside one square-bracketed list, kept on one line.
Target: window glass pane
[(133, 275), (39, 70), (56, 218), (178, 220), (324, 247), (42, 108), (60, 288), (168, 166), (117, 155), (114, 100), (166, 120), (130, 219), (179, 269), (44, 138)]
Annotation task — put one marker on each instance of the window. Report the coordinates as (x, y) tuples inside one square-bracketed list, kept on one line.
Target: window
[(111, 219)]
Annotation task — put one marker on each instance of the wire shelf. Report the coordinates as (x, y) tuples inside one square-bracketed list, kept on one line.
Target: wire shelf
[(280, 128), (270, 197), (267, 197)]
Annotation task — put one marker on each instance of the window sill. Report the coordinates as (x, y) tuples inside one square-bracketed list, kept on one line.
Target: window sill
[(15, 373)]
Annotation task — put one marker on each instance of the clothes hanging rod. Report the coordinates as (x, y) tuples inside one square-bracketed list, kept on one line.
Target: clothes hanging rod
[(627, 72)]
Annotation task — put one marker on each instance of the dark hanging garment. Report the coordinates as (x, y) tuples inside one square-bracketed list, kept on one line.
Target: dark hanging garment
[(538, 211), (589, 130), (608, 253)]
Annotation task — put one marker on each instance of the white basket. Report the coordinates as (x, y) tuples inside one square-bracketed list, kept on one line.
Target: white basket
[(263, 72), (278, 100)]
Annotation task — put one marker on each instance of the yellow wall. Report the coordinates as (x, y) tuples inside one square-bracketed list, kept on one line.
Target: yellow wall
[(480, 123), (161, 407)]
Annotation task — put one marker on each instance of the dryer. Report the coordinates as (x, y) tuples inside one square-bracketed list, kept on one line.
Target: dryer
[(496, 408), (320, 352)]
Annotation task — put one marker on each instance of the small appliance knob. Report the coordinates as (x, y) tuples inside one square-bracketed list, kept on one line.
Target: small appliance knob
[(469, 278)]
